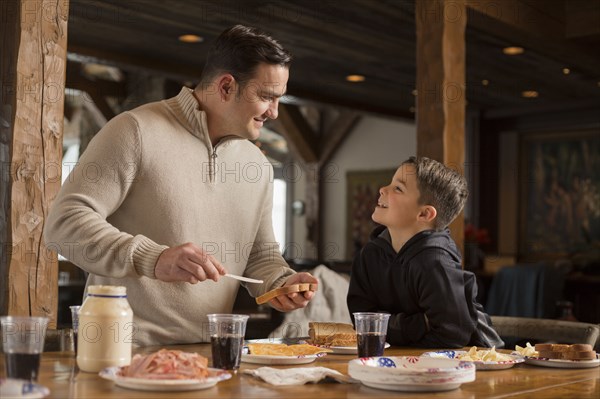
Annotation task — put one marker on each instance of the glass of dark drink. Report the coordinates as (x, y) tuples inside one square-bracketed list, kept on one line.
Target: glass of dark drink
[(23, 344), (227, 339), (371, 330)]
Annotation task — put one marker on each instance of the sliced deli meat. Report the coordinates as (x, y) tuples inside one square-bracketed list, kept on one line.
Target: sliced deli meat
[(167, 365)]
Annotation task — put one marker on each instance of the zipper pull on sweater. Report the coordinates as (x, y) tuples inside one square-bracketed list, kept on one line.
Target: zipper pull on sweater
[(213, 165)]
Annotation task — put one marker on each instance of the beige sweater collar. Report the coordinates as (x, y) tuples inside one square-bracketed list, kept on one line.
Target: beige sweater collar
[(189, 113)]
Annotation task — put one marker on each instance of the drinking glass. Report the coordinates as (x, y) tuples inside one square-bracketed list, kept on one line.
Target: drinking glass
[(227, 339), (75, 323), (23, 343), (371, 330)]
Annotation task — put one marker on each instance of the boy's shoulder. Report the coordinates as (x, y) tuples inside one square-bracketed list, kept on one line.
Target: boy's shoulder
[(431, 249)]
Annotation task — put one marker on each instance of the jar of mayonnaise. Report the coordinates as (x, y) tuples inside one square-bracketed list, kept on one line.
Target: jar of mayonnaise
[(105, 329)]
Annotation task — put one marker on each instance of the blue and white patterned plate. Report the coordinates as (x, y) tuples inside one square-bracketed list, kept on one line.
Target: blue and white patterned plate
[(21, 389), (479, 364), (411, 373)]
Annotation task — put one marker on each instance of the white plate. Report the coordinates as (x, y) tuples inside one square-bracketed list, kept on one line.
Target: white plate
[(479, 364), (348, 350), (413, 387), (214, 376), (564, 363), (274, 360)]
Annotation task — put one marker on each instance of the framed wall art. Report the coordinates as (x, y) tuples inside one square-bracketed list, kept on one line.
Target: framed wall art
[(560, 194)]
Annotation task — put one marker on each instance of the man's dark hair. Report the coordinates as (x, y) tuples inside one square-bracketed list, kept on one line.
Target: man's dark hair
[(440, 186), (239, 50)]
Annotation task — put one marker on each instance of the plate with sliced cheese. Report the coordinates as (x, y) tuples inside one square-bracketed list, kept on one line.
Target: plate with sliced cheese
[(564, 356), (484, 359), (281, 354)]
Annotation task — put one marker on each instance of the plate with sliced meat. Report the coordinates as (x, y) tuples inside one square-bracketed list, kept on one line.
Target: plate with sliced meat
[(166, 370), (146, 384)]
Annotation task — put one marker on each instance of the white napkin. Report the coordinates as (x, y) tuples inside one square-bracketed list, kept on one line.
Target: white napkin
[(297, 376)]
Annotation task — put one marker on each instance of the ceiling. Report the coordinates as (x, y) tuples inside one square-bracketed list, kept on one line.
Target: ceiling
[(374, 38)]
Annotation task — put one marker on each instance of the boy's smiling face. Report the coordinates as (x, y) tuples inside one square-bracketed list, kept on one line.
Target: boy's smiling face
[(398, 206)]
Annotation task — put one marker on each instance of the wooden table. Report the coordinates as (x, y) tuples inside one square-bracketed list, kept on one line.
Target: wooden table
[(59, 373)]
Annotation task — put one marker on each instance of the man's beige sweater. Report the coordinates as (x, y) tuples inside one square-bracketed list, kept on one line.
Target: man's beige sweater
[(150, 179)]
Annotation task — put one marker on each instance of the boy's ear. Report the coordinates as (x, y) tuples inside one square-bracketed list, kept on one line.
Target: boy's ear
[(427, 213)]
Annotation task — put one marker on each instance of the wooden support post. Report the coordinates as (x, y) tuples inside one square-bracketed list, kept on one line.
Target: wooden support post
[(441, 86), (34, 49)]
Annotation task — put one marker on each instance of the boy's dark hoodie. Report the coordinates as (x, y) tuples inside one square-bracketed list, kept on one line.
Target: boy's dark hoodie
[(430, 298)]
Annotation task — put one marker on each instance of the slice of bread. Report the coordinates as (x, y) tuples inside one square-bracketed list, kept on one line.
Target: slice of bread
[(580, 348), (550, 354), (586, 355), (568, 352), (288, 289), (331, 334)]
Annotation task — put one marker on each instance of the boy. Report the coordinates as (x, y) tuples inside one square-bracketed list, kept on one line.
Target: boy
[(411, 267)]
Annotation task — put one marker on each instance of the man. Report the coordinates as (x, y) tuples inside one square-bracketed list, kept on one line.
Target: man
[(172, 193)]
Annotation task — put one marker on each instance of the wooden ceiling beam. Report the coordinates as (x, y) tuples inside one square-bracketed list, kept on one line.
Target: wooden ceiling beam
[(300, 136), (520, 24), (393, 110), (522, 15), (175, 71), (336, 134), (104, 87), (582, 19), (94, 90), (547, 107)]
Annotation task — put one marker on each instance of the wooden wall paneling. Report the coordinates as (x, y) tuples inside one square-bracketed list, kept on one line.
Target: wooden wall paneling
[(441, 86), (37, 61)]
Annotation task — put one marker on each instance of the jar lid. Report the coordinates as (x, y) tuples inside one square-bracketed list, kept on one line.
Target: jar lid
[(107, 290)]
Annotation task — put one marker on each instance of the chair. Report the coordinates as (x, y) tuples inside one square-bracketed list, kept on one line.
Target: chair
[(522, 329), (526, 290)]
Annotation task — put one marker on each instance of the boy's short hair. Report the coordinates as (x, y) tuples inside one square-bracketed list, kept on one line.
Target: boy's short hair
[(239, 50), (443, 188)]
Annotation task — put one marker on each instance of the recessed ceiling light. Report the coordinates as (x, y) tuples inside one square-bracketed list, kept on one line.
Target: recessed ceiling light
[(191, 38), (485, 82), (513, 50), (355, 78), (530, 94), (566, 71)]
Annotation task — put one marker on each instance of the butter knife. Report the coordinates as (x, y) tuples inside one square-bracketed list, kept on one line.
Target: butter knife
[(246, 279)]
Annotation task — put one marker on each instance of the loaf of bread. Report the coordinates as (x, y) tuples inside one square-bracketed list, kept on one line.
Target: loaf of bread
[(331, 334), (567, 352), (288, 289)]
